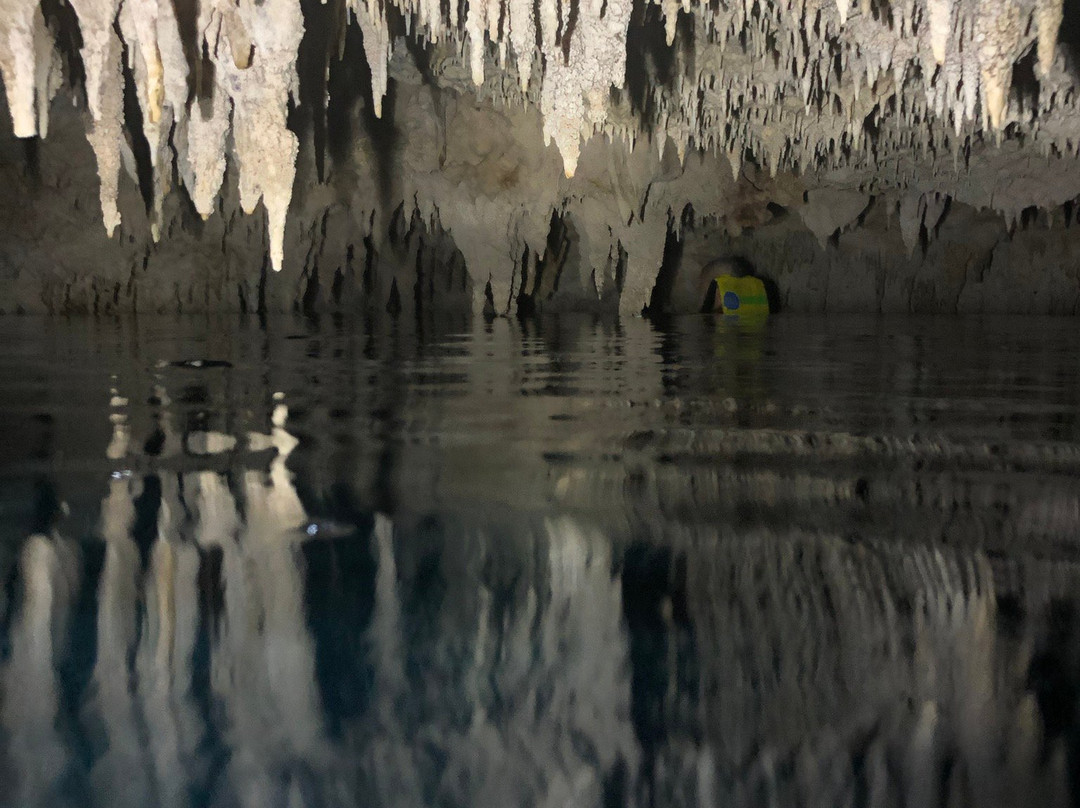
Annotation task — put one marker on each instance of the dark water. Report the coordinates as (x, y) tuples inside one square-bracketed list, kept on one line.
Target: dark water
[(561, 564)]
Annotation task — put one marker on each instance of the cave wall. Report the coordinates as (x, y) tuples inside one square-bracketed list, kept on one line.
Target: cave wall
[(438, 193), (966, 262)]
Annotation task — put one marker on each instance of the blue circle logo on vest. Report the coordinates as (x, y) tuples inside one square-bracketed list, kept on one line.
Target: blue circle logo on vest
[(731, 301)]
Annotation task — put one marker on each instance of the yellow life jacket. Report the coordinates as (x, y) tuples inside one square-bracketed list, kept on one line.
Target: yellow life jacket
[(742, 296)]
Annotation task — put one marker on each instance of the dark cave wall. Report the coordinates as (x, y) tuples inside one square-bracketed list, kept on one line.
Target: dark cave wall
[(970, 263)]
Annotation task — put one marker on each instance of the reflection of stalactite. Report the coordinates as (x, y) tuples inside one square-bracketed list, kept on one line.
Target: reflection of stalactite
[(389, 758), (29, 685), (263, 665), (123, 759), (814, 650), (166, 650), (145, 635), (557, 724), (148, 733), (506, 668), (386, 630)]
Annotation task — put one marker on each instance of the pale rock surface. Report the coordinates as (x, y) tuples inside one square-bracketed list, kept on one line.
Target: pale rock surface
[(477, 127), (829, 210)]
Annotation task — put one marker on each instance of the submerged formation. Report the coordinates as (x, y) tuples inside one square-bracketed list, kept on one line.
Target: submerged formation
[(821, 107)]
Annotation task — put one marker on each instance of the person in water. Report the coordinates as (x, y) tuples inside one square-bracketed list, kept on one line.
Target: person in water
[(735, 266)]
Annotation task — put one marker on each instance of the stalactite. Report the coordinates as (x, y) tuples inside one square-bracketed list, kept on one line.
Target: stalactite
[(573, 100), (842, 7), (104, 94), (28, 65), (265, 148), (376, 46), (522, 38), (476, 27), (940, 19), (826, 84), (1049, 14)]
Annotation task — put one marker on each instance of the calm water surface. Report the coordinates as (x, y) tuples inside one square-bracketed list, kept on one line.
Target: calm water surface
[(573, 563)]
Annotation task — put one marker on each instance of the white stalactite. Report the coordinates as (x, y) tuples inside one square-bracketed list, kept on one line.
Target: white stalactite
[(28, 66), (842, 7), (940, 19), (998, 29), (160, 70), (773, 79), (106, 133), (203, 137), (376, 46), (138, 21), (105, 96), (522, 38), (96, 18), (573, 100), (1049, 14), (265, 148), (475, 19)]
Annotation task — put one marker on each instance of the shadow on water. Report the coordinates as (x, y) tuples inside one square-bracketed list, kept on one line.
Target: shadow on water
[(543, 562)]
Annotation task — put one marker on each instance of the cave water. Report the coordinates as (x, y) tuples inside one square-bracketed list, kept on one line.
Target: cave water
[(540, 403)]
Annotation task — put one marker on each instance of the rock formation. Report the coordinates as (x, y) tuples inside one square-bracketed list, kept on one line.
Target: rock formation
[(488, 133)]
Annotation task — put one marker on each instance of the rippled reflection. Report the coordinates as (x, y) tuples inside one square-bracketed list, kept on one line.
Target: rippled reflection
[(587, 565)]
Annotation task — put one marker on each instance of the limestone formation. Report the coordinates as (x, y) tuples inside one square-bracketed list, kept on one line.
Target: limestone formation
[(911, 99)]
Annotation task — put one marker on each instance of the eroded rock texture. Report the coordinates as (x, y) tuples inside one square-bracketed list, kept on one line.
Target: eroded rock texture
[(871, 154)]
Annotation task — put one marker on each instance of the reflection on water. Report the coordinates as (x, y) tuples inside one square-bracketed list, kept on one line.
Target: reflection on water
[(576, 564)]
